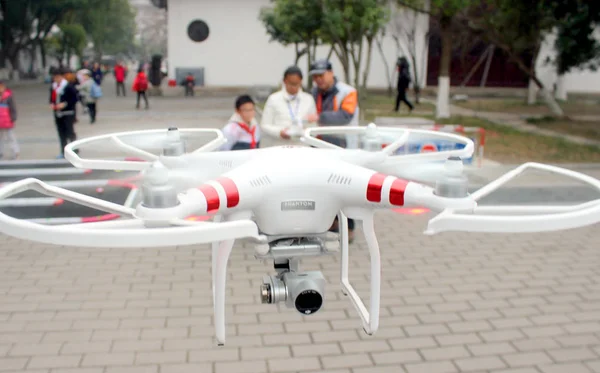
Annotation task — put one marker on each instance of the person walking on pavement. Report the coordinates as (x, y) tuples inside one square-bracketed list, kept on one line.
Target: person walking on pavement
[(337, 104), (403, 82), (288, 109), (120, 75), (90, 93), (140, 86), (97, 73), (8, 118), (63, 99)]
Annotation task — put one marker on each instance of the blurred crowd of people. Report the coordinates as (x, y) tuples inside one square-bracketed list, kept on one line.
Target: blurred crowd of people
[(84, 86), (286, 113)]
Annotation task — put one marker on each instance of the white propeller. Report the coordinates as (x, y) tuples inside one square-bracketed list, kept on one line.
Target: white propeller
[(421, 167), (168, 227), (137, 144)]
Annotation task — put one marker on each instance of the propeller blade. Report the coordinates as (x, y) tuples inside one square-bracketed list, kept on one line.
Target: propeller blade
[(427, 173), (65, 194), (129, 234), (146, 145), (520, 219), (132, 232)]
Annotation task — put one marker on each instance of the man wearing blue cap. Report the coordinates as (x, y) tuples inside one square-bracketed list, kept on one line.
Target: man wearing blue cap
[(337, 104)]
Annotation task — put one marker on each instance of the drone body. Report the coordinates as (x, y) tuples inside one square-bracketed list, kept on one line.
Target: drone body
[(284, 200)]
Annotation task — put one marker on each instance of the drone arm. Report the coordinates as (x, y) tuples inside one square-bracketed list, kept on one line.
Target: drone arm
[(221, 195), (385, 191)]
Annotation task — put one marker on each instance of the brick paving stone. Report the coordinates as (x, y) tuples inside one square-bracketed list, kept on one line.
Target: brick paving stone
[(186, 368), (432, 367), (12, 363), (134, 369), (293, 364), (346, 361), (455, 302)]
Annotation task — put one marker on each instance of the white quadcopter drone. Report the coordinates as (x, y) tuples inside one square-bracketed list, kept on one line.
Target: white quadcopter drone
[(284, 200)]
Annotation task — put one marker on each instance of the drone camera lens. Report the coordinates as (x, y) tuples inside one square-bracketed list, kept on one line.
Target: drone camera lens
[(305, 291), (308, 302)]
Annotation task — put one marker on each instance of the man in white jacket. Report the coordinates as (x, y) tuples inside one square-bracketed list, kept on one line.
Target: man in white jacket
[(285, 112)]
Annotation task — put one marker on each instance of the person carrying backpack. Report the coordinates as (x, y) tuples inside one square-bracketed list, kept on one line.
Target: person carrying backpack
[(90, 92), (140, 86)]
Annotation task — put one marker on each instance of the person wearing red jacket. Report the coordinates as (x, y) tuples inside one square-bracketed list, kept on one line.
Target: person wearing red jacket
[(8, 117), (120, 74), (140, 86)]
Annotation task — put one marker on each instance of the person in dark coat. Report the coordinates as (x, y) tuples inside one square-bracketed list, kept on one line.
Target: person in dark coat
[(97, 73), (63, 100), (403, 82)]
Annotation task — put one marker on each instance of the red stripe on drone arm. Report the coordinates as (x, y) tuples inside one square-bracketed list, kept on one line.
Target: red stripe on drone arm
[(374, 187), (212, 197), (231, 191), (397, 190)]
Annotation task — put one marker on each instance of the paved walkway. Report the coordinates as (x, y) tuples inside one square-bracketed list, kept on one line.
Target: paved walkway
[(455, 302)]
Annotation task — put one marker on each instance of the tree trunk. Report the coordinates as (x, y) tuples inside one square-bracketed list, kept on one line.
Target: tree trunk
[(550, 101), (443, 94), (32, 55), (357, 61), (6, 37), (330, 53), (424, 55), (342, 55), (15, 66), (309, 57), (43, 53), (548, 98), (367, 68), (387, 67), (297, 54), (561, 88), (531, 92), (416, 84)]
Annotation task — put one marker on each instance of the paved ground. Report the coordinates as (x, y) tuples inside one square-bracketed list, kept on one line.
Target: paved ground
[(455, 302)]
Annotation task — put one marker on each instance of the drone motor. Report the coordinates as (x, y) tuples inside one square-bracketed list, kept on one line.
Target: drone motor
[(301, 290), (452, 183), (156, 189), (174, 145)]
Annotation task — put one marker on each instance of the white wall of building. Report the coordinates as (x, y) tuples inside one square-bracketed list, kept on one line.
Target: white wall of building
[(583, 81), (238, 51)]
